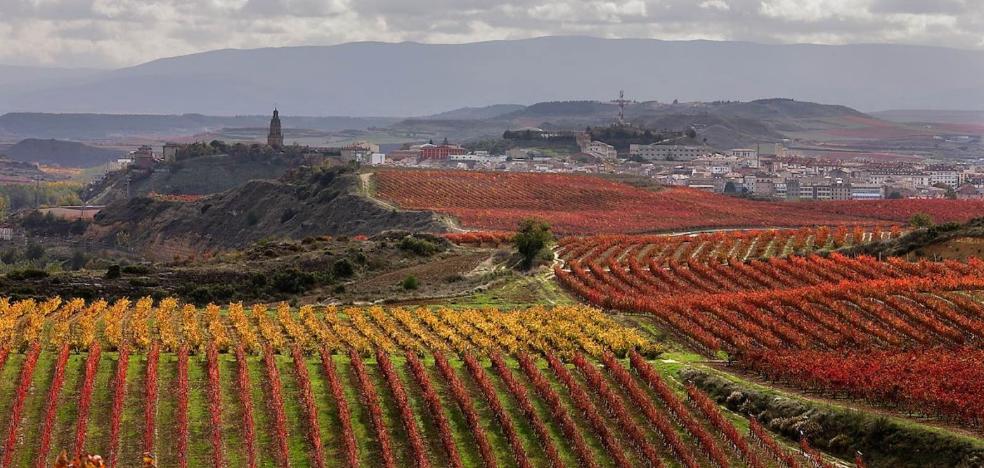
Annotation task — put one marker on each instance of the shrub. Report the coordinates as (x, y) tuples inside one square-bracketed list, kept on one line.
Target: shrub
[(410, 283), (343, 268), (78, 260), (292, 281), (136, 269), (34, 251), (422, 247), (920, 220), (113, 272), (28, 274)]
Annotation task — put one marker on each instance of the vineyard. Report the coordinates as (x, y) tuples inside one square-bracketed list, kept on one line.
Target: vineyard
[(582, 204), (785, 307), (252, 386)]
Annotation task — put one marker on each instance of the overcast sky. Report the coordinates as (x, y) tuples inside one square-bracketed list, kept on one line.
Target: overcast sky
[(113, 33)]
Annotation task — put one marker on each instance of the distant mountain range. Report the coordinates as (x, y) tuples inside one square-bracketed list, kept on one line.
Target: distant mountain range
[(113, 126), (411, 79)]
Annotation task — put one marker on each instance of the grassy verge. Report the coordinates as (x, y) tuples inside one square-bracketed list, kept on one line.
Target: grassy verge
[(199, 432), (9, 374), (362, 429), (63, 435), (330, 428), (30, 425), (262, 418), (232, 412), (297, 434), (467, 446)]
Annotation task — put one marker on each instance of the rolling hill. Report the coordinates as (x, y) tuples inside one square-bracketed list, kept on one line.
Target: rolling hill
[(60, 153)]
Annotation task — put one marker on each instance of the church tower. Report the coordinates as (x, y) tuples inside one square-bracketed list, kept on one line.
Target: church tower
[(276, 136)]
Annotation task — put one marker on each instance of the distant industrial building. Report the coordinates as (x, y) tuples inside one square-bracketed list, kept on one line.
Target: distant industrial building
[(440, 152), (657, 152)]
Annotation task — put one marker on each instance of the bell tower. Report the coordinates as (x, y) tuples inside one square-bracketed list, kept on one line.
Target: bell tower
[(276, 136)]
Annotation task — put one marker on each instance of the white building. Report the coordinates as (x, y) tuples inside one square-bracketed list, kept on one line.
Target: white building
[(948, 177), (657, 152), (119, 164), (747, 156), (743, 153), (867, 192), (902, 178), (601, 150)]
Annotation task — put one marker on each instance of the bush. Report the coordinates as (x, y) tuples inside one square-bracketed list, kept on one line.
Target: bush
[(28, 274), (410, 283), (291, 281), (136, 269), (421, 247), (454, 278), (34, 251), (343, 268), (113, 272), (920, 220), (78, 260), (9, 256)]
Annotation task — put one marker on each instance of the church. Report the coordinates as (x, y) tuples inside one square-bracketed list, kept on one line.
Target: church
[(276, 136)]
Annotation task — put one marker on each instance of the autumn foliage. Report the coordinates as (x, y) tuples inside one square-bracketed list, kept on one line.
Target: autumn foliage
[(587, 204)]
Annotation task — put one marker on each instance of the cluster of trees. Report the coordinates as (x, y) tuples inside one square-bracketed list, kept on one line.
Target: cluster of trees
[(215, 147), (622, 137), (14, 197)]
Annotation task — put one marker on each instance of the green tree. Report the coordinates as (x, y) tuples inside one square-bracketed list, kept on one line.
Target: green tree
[(34, 251), (410, 283), (951, 194), (920, 220), (532, 238)]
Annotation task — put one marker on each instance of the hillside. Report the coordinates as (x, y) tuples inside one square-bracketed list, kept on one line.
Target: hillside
[(436, 77), (476, 113), (299, 205), (945, 241), (724, 124), (22, 172), (60, 153), (204, 175)]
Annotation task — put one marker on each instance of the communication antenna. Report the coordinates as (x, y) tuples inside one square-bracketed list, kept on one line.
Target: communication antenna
[(621, 101)]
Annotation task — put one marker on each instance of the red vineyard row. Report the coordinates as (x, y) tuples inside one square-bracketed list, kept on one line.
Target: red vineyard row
[(937, 382), (604, 397), (797, 303), (584, 204)]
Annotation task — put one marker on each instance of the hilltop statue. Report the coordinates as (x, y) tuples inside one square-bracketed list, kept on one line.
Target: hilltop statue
[(276, 136)]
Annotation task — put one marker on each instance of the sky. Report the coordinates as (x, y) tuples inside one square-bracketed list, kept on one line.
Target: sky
[(117, 33)]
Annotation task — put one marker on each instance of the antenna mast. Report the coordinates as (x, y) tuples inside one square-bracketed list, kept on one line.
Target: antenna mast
[(621, 101)]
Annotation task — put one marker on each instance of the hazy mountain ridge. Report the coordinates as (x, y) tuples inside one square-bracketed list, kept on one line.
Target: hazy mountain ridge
[(372, 78), (97, 126), (724, 124)]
